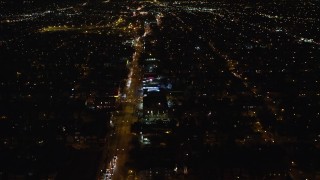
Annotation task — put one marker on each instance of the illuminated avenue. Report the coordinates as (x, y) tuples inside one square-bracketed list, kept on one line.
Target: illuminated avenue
[(225, 89)]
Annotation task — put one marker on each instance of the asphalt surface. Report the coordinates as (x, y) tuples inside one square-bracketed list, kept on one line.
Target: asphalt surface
[(119, 141)]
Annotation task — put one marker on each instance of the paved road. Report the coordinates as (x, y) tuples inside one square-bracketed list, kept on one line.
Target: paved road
[(118, 145), (122, 140)]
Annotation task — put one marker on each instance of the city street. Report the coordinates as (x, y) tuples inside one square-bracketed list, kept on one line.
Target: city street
[(119, 140), (125, 90)]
